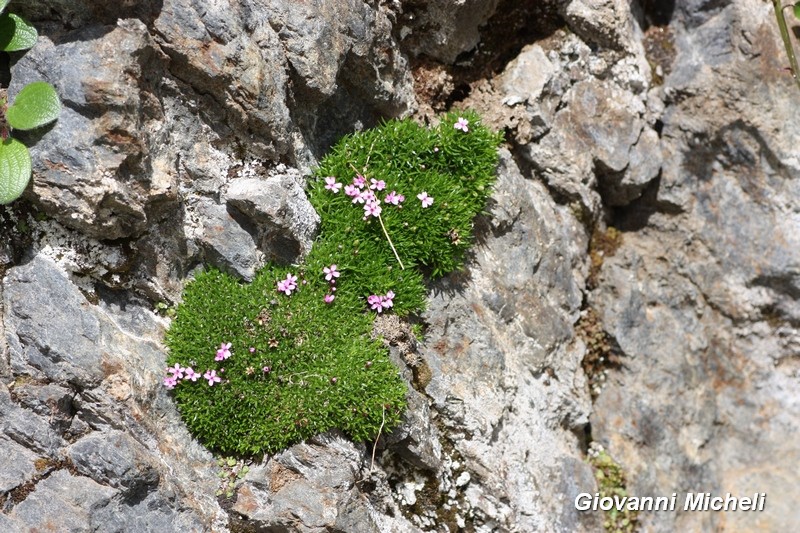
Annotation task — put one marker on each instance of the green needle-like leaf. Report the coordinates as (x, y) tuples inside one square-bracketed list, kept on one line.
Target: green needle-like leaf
[(15, 33), (15, 170), (35, 105)]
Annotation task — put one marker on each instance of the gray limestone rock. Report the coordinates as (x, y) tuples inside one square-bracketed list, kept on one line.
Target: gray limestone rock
[(443, 29), (605, 22), (94, 166), (598, 142), (54, 342), (493, 345), (62, 502), (113, 458), (525, 77), (311, 487), (703, 301), (225, 243), (282, 219), (17, 466)]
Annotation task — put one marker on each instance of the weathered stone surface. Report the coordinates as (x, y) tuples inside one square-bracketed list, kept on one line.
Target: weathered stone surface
[(703, 302), (605, 22), (93, 167), (443, 29), (525, 77), (39, 343), (17, 466), (285, 223), (598, 141), (62, 502), (129, 438), (226, 244), (310, 487), (113, 458), (503, 362)]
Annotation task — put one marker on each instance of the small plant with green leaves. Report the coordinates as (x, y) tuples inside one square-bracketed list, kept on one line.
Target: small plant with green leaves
[(232, 470), (611, 483), (256, 367), (36, 105), (783, 27)]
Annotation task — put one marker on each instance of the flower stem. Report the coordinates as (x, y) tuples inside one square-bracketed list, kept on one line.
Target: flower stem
[(787, 41), (381, 220), (374, 446), (391, 243)]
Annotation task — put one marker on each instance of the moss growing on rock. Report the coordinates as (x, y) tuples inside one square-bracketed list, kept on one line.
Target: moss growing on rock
[(263, 365)]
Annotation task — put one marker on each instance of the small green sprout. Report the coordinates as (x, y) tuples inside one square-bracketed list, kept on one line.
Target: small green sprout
[(232, 471), (36, 105)]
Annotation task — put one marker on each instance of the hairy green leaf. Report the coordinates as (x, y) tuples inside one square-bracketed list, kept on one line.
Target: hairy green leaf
[(35, 105), (15, 170), (15, 33)]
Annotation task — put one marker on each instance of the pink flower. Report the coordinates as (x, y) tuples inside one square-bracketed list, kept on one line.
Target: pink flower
[(425, 199), (372, 209), (252, 349), (375, 303), (267, 369), (223, 352), (386, 301), (332, 185), (288, 285), (331, 273), (191, 374), (381, 303), (351, 191), (462, 124), (394, 198), (212, 377), (365, 196), (170, 382), (359, 181), (378, 185), (329, 298), (176, 371)]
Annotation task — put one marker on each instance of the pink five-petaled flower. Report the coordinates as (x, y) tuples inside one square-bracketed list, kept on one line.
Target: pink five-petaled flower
[(176, 371), (351, 191), (359, 181), (365, 196), (287, 285), (378, 185), (386, 301), (329, 298), (394, 198), (212, 377), (331, 273), (462, 124), (372, 209), (223, 352), (170, 382), (332, 185), (375, 303), (425, 199), (191, 374)]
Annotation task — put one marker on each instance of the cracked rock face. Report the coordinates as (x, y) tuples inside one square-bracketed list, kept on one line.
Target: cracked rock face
[(187, 132)]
